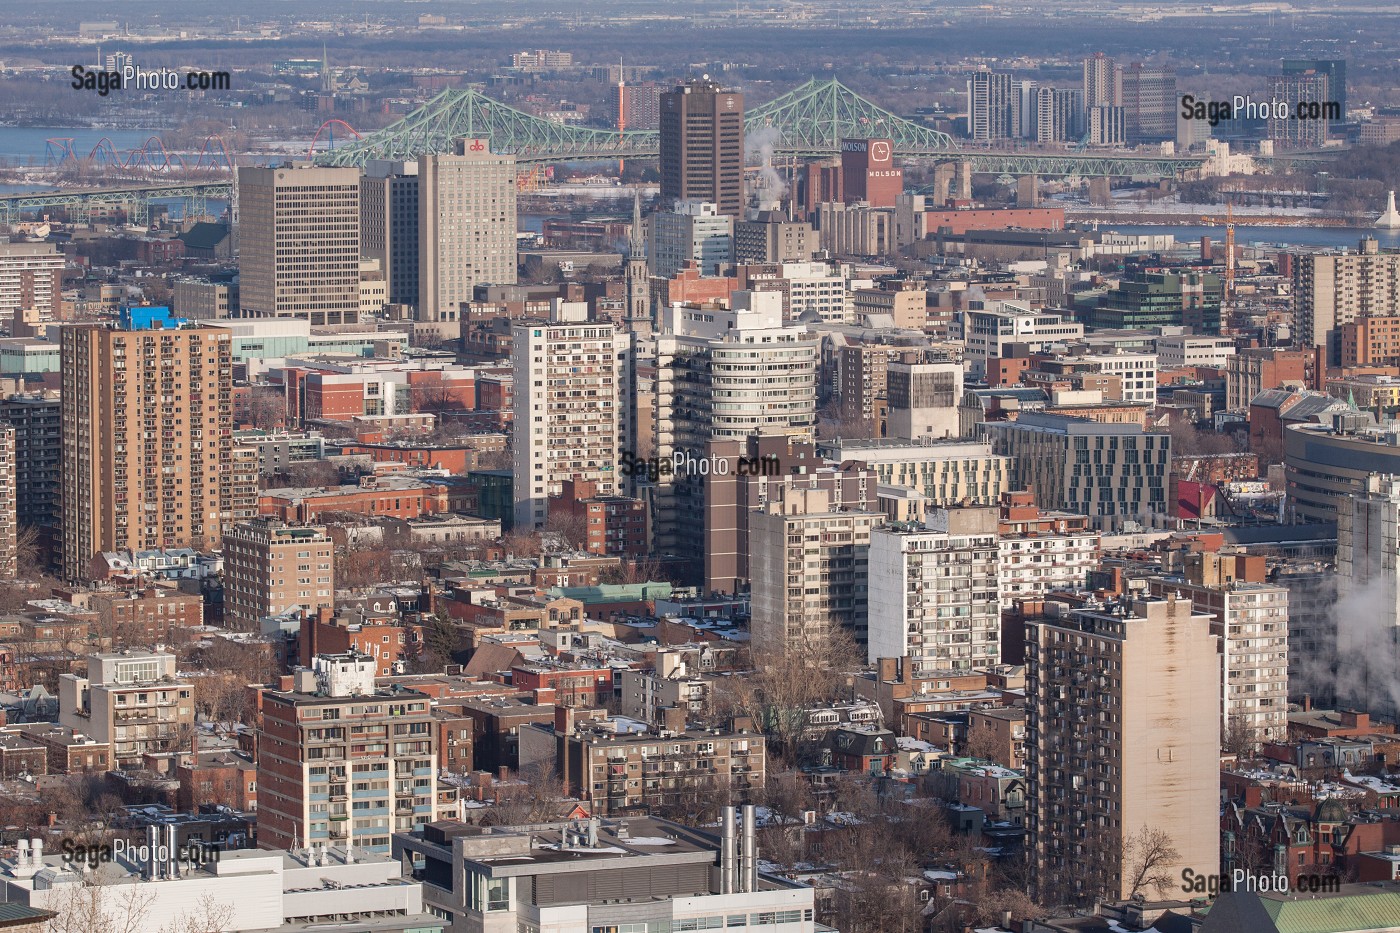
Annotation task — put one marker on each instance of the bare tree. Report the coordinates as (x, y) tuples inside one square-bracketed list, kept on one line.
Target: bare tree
[(267, 408), (207, 916), (539, 798), (570, 525), (1147, 855), (96, 905)]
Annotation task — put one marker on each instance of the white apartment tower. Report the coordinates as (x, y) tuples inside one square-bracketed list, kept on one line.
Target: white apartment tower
[(299, 245), (466, 226), (934, 592), (571, 380)]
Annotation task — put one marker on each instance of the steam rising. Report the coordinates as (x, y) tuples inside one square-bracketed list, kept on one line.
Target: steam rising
[(769, 187)]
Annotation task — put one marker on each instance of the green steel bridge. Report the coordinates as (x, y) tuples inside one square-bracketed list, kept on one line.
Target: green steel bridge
[(135, 199), (809, 121)]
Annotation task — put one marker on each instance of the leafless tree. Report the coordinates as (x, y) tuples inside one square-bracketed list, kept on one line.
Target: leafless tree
[(538, 799), (570, 525), (95, 905), (1147, 855), (267, 408), (207, 916)]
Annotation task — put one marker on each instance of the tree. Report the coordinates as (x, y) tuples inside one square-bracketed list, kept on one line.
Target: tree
[(440, 642), (1147, 856), (538, 798), (207, 916), (98, 905), (267, 408), (570, 525)]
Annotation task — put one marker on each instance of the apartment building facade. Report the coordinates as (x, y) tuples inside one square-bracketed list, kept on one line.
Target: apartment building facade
[(342, 763), (132, 701), (271, 567)]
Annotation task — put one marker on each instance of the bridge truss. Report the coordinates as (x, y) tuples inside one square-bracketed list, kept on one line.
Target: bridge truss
[(808, 121), (136, 200)]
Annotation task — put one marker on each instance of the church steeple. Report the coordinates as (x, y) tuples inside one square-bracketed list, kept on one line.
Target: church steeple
[(638, 278)]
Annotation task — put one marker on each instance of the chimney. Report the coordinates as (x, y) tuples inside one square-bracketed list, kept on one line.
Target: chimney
[(727, 852), (503, 773), (749, 861), (673, 719), (889, 670), (1307, 702)]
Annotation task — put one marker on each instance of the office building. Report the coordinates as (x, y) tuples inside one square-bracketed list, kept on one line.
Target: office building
[(37, 420), (1327, 465), (1114, 473), (1331, 290), (204, 299), (1150, 103), (341, 762), (695, 231), (616, 877), (1189, 350), (1335, 71), (934, 595), (702, 145), (150, 885), (987, 332), (923, 399), (989, 106), (808, 567), (570, 407), (31, 281), (772, 238), (1122, 737), (945, 472), (1250, 622), (146, 418), (466, 226), (1286, 93), (133, 701), (868, 173), (299, 250), (271, 567), (389, 225)]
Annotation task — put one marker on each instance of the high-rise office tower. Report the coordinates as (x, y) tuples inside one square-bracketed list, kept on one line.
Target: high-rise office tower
[(1334, 68), (147, 415), (341, 762), (989, 105), (389, 225), (1290, 90), (571, 386), (934, 596), (1122, 740), (1149, 103), (271, 567), (1334, 289), (299, 245), (702, 145), (9, 507), (466, 226)]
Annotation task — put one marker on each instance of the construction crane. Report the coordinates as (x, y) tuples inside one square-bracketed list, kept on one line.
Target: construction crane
[(1227, 301)]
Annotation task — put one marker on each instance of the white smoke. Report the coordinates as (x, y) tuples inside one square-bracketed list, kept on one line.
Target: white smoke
[(769, 187), (1358, 659)]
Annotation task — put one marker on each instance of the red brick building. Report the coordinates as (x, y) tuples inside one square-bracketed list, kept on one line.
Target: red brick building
[(612, 525), (400, 497)]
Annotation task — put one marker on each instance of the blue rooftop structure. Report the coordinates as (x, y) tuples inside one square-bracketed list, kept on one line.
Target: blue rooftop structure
[(149, 317)]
